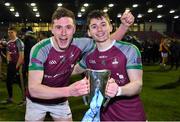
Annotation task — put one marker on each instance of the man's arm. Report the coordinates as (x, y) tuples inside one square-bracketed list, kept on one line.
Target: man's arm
[(41, 91), (127, 20), (135, 85), (8, 57), (20, 59), (132, 88), (78, 70)]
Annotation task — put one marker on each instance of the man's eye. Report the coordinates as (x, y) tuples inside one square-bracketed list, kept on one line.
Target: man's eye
[(93, 27), (58, 27), (103, 25), (69, 27)]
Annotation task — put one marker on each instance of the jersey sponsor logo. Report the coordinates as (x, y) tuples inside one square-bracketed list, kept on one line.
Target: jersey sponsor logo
[(52, 62), (103, 56), (92, 61), (60, 74)]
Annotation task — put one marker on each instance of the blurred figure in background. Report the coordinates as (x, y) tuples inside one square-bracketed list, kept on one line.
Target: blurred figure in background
[(175, 53), (164, 50), (15, 57), (29, 41), (3, 45), (42, 35)]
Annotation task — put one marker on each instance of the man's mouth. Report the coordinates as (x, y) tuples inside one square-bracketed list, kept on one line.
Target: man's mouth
[(63, 41), (100, 35)]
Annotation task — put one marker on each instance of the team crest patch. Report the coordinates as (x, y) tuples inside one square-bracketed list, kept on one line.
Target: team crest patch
[(115, 61)]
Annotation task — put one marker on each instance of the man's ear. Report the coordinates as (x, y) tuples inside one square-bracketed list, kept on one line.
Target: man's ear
[(89, 34), (52, 31), (110, 28), (74, 29)]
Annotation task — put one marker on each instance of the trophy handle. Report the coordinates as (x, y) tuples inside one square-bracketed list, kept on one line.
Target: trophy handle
[(106, 102), (85, 100)]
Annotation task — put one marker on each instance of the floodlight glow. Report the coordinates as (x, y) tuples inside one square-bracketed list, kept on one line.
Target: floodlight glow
[(159, 6), (135, 5), (59, 4), (7, 4)]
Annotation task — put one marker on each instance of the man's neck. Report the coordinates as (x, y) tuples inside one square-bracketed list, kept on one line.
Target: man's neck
[(104, 46), (13, 39)]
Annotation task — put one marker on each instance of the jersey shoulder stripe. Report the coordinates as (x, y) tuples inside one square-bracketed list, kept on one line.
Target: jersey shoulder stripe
[(132, 54), (39, 46), (130, 46)]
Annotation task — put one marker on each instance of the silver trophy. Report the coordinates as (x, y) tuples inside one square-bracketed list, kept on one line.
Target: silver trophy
[(98, 80)]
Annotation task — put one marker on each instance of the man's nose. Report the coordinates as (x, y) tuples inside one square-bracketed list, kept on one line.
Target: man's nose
[(63, 31), (99, 28)]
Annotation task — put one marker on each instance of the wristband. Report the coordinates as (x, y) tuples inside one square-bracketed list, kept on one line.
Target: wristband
[(119, 92)]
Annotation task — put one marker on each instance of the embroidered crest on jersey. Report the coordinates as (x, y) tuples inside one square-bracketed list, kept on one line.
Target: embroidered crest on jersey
[(103, 62), (115, 61)]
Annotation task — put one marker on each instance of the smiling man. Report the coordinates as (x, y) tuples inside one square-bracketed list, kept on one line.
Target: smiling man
[(124, 61), (51, 63)]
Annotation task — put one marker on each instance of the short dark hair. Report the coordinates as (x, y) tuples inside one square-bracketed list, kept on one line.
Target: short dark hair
[(97, 14), (62, 12), (12, 29)]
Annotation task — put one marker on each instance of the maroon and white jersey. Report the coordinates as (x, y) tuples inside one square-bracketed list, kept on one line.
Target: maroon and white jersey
[(57, 66), (14, 47), (118, 58)]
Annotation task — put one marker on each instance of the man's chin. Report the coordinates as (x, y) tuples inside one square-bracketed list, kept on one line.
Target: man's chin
[(63, 48), (100, 41)]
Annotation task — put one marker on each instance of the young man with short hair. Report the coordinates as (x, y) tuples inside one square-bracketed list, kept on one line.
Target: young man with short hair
[(15, 57), (124, 61)]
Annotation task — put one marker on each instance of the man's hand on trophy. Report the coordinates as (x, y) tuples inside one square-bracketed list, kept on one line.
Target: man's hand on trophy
[(111, 88), (79, 88)]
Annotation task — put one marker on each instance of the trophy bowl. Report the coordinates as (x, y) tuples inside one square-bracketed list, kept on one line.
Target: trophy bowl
[(98, 80)]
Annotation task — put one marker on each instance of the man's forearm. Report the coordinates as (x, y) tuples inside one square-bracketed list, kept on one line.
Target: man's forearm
[(78, 70), (46, 92), (131, 89), (20, 60), (120, 32)]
